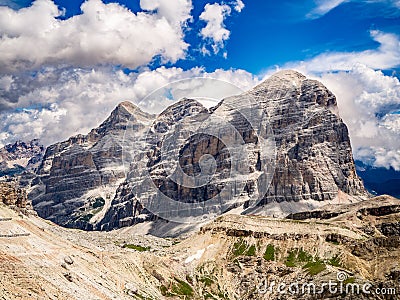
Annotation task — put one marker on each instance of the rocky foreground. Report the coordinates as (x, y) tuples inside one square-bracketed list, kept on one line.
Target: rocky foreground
[(233, 257)]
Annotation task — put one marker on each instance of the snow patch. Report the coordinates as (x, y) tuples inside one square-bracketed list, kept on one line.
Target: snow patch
[(198, 255)]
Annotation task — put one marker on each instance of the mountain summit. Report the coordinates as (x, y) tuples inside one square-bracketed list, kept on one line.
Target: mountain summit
[(78, 177), (314, 158)]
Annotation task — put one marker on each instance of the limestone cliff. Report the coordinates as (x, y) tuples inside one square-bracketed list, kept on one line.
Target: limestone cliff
[(78, 177)]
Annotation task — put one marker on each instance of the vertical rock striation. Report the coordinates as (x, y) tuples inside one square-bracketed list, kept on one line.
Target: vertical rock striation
[(314, 157)]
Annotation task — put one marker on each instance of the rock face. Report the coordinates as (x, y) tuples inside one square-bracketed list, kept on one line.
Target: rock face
[(126, 207), (314, 158), (313, 153), (20, 156), (13, 196), (79, 176)]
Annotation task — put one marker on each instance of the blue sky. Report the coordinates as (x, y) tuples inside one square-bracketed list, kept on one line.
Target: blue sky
[(64, 64), (267, 33)]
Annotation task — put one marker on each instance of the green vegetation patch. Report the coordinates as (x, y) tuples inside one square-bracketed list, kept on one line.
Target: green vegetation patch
[(303, 256), (207, 280), (291, 259), (164, 291), (269, 253), (239, 247), (136, 247), (334, 261), (182, 288), (297, 257), (349, 280), (242, 248), (177, 288), (315, 267), (251, 251)]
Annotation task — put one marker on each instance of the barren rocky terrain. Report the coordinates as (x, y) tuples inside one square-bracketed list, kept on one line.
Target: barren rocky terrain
[(233, 257)]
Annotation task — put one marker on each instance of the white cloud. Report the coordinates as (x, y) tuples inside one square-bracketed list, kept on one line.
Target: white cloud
[(60, 103), (386, 56), (103, 33), (238, 5), (6, 82), (368, 101), (177, 12), (215, 31), (324, 6)]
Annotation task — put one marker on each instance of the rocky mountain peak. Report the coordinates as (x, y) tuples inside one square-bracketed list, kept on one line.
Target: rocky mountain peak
[(22, 146), (124, 112), (21, 155), (176, 112), (295, 89), (285, 79), (129, 106), (289, 75), (182, 108)]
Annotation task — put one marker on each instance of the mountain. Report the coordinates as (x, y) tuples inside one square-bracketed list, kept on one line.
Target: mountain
[(280, 146), (20, 156), (311, 161), (379, 180), (78, 177)]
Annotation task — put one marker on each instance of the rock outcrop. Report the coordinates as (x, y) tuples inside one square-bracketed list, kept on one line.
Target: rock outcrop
[(12, 196)]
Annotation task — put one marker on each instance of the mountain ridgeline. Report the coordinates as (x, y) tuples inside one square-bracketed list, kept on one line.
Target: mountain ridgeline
[(91, 182)]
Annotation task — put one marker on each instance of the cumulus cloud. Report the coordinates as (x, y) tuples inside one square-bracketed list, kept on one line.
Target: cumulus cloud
[(56, 103), (176, 12), (215, 32), (386, 56), (238, 5), (369, 103), (102, 34)]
